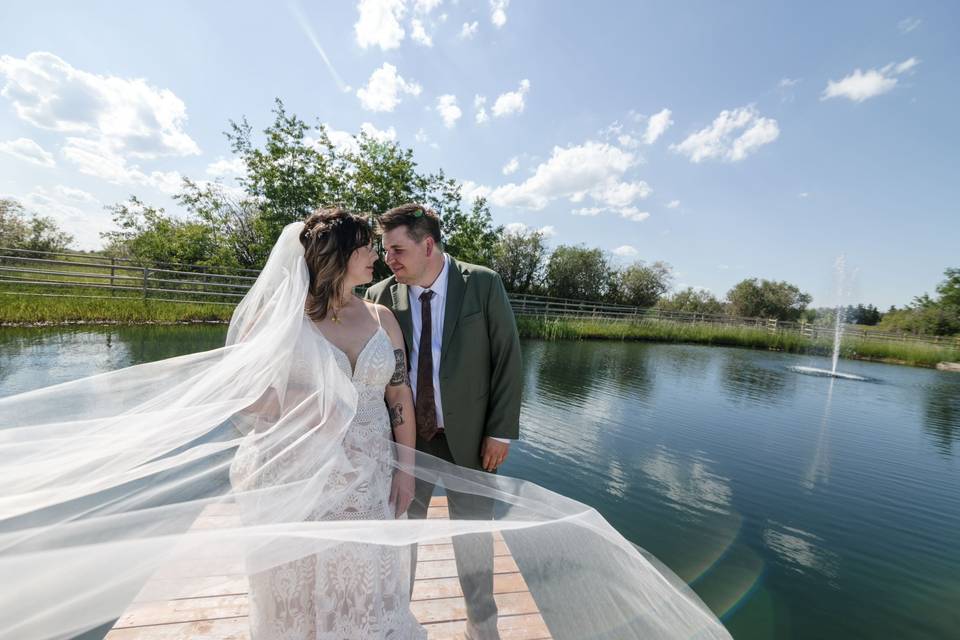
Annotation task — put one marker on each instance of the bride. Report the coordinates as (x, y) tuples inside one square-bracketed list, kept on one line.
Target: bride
[(310, 598), (303, 425)]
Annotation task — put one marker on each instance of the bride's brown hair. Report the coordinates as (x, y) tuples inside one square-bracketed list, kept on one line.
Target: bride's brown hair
[(329, 237)]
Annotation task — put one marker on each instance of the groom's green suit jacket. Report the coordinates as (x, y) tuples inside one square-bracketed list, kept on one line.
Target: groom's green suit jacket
[(480, 370)]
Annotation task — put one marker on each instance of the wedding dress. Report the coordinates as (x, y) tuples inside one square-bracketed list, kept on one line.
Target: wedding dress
[(352, 590)]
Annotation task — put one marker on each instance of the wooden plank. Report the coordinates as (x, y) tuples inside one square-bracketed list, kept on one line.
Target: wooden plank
[(224, 629), (204, 596), (452, 609), (431, 588), (520, 627)]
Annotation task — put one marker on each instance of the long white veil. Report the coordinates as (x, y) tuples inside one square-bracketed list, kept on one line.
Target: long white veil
[(103, 482)]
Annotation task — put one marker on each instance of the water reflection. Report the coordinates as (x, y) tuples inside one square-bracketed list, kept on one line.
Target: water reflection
[(572, 372), (819, 470), (942, 414), (744, 378), (688, 483), (800, 550)]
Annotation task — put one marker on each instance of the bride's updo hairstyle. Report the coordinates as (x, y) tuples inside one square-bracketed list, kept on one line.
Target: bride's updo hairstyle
[(329, 238)]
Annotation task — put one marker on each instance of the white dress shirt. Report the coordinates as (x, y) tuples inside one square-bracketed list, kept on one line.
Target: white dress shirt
[(437, 308)]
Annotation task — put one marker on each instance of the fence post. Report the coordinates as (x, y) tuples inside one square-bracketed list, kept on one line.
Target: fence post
[(145, 272), (113, 271)]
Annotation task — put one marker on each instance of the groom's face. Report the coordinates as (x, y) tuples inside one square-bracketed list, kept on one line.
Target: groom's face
[(407, 258)]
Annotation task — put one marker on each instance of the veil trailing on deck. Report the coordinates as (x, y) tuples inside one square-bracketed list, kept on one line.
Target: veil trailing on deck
[(223, 464)]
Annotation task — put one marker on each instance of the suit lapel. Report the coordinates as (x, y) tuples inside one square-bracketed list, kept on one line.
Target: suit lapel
[(451, 313), (401, 309)]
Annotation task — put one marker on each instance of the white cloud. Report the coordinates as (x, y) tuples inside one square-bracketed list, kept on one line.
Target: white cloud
[(512, 101), (593, 168), (803, 194), (135, 119), (656, 125), (426, 6), (626, 251), (628, 141), (419, 34), (75, 211), (379, 23), (469, 30), (587, 211), (27, 149), (618, 194), (421, 135), (380, 135), (226, 167), (75, 195), (511, 166), (498, 12), (673, 204), (633, 214), (471, 190), (448, 110), (479, 107), (519, 228), (346, 142), (786, 83), (99, 159), (383, 90), (863, 85), (908, 24), (732, 136)]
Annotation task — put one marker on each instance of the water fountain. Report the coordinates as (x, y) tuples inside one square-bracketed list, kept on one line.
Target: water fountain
[(840, 270)]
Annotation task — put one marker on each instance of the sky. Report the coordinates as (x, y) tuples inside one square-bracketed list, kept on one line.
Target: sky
[(731, 140)]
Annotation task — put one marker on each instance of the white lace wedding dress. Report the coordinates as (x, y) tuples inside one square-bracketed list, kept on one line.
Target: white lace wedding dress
[(353, 590)]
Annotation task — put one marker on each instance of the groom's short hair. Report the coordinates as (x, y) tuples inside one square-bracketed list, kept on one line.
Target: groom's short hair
[(421, 221)]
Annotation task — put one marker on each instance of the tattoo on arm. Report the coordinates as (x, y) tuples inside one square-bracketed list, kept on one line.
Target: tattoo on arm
[(396, 415), (400, 374)]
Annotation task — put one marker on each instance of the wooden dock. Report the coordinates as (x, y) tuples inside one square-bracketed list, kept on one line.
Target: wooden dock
[(207, 599)]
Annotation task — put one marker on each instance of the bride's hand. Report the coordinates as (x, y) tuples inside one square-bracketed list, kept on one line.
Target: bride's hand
[(401, 492)]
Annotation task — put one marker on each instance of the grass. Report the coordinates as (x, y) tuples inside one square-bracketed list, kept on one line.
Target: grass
[(19, 307), (914, 354), (23, 309)]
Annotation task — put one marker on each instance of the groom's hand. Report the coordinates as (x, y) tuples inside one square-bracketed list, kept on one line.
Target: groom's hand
[(493, 453)]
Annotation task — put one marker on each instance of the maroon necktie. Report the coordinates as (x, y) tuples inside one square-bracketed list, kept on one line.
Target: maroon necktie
[(425, 405)]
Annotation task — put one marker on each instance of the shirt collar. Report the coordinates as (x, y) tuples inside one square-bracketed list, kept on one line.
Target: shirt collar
[(439, 286)]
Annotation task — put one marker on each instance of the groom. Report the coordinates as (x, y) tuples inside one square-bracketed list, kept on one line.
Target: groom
[(464, 355)]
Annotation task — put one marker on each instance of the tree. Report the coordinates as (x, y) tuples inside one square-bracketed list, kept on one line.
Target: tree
[(472, 237), (148, 235), (289, 175), (22, 230), (755, 298), (577, 272), (938, 316), (642, 285), (520, 258), (234, 222), (692, 300), (949, 289)]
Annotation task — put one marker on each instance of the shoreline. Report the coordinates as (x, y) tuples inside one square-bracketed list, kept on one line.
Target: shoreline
[(928, 357)]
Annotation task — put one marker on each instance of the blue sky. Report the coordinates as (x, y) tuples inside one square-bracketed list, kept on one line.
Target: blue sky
[(731, 140)]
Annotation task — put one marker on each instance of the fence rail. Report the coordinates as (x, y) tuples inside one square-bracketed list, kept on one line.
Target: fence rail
[(37, 273)]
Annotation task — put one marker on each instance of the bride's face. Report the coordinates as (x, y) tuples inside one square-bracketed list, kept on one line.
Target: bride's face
[(360, 265)]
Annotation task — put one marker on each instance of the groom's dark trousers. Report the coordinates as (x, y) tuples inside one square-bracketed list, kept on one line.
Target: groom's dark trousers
[(474, 552)]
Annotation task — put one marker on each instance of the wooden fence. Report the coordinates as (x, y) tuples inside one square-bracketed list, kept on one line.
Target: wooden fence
[(37, 273)]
